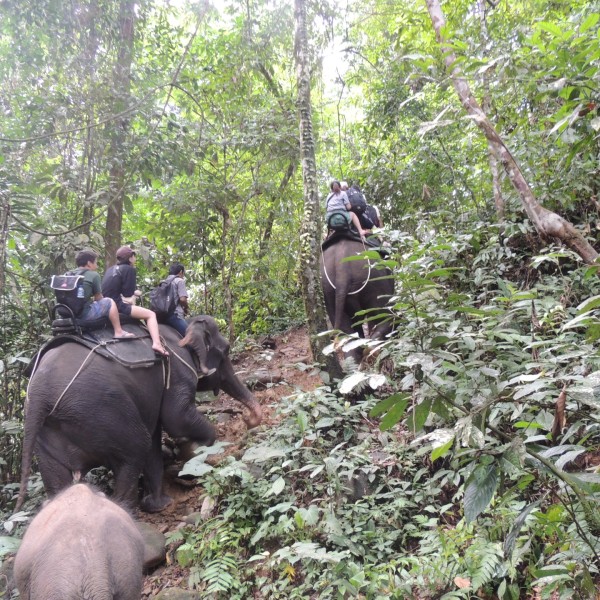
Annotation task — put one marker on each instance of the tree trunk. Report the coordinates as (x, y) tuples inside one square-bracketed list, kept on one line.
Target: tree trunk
[(122, 86), (310, 231), (4, 218), (547, 223), (486, 105)]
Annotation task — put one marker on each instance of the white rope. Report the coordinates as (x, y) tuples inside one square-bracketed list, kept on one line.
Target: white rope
[(74, 377), (363, 285), (190, 367)]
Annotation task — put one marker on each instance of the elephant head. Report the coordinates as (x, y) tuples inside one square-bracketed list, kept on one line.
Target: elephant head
[(215, 369)]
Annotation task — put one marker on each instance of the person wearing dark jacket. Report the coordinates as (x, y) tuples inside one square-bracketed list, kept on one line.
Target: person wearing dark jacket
[(119, 283)]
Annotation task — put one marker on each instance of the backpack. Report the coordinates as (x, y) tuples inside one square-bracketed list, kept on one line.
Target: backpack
[(358, 204), (371, 213), (337, 221), (163, 299), (69, 290)]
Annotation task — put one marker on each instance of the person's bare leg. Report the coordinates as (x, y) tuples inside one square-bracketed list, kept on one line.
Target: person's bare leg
[(113, 317), (138, 312), (356, 222)]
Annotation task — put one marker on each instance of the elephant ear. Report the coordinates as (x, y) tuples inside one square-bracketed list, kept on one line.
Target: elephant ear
[(204, 337), (218, 346)]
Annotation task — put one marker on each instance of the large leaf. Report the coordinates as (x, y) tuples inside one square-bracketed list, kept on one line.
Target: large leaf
[(479, 490), (513, 534)]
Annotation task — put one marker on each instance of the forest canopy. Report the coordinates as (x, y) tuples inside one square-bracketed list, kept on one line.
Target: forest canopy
[(474, 127)]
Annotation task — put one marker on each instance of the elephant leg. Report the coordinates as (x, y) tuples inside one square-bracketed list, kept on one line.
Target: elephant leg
[(55, 475), (57, 461), (128, 462), (187, 422), (352, 307), (154, 500)]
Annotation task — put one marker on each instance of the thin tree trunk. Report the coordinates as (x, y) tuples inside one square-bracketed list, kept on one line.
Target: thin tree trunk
[(486, 105), (4, 218), (547, 223), (273, 213), (88, 23), (311, 223), (122, 86)]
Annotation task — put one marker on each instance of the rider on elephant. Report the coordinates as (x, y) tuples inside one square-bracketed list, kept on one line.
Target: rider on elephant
[(177, 279), (337, 202), (96, 305), (119, 283)]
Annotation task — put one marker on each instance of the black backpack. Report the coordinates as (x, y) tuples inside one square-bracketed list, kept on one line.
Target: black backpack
[(163, 299), (371, 213), (358, 204), (69, 290)]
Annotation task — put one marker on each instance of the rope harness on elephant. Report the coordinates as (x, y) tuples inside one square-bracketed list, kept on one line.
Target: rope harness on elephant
[(363, 285), (72, 379), (187, 364), (166, 371)]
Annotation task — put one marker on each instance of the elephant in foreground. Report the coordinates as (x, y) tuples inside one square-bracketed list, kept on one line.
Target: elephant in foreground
[(349, 287), (80, 545), (85, 411)]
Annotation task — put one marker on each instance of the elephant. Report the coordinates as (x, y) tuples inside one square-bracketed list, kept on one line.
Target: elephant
[(80, 545), (349, 287), (84, 411)]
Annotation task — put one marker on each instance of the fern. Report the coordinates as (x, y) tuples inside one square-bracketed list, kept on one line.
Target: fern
[(486, 557), (220, 574)]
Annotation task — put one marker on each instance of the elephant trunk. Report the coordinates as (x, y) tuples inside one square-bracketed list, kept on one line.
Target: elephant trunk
[(231, 384)]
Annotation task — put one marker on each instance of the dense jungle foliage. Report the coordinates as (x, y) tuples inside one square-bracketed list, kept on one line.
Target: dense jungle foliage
[(461, 460)]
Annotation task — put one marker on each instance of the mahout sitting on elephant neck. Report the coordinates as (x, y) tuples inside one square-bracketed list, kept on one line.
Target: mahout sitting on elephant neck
[(80, 545), (113, 416)]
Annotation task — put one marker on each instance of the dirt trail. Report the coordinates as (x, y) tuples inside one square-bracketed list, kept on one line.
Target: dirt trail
[(258, 364)]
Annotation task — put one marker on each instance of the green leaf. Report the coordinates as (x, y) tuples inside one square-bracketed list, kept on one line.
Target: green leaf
[(550, 28), (479, 490), (385, 404), (196, 467), (260, 454), (394, 414), (419, 415), (589, 22), (513, 534), (442, 450), (8, 545), (589, 304), (277, 487)]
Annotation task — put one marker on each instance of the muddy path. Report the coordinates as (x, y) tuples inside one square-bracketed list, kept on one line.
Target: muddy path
[(273, 369)]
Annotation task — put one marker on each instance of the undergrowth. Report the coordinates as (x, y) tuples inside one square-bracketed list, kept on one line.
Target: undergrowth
[(473, 474)]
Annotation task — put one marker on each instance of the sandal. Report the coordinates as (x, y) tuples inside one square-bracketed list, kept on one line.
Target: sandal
[(127, 334)]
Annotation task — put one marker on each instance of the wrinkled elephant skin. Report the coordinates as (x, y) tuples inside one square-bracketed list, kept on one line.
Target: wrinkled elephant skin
[(113, 416), (80, 545), (349, 287)]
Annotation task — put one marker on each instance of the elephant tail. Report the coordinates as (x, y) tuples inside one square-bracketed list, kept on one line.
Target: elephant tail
[(33, 424)]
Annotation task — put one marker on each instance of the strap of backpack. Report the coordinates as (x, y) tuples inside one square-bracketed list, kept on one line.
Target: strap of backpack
[(327, 201)]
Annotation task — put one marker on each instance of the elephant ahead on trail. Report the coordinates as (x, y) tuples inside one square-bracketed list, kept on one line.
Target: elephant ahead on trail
[(85, 411), (80, 545), (349, 287)]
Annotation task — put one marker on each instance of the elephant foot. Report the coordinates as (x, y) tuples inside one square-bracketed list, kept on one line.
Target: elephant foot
[(152, 504)]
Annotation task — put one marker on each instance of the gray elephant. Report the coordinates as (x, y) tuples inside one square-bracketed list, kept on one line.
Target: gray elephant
[(349, 287), (80, 545), (85, 410)]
